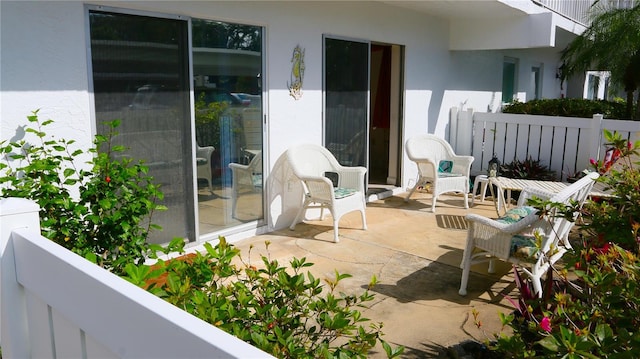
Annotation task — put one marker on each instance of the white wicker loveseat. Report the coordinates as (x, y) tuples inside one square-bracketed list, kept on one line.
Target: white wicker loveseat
[(513, 238)]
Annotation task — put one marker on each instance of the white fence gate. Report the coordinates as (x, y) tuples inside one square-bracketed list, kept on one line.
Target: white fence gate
[(55, 304), (564, 144)]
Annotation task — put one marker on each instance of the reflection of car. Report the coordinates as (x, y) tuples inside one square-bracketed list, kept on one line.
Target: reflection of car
[(254, 100), (210, 95), (154, 97)]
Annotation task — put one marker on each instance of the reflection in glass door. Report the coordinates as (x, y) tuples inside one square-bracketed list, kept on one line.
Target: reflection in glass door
[(227, 67), (140, 76), (346, 86)]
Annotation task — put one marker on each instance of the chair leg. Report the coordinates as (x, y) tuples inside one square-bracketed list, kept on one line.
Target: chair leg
[(335, 231), (537, 285), (298, 216), (419, 183), (434, 198), (234, 203), (492, 266), (466, 199), (364, 219), (466, 268), (466, 264)]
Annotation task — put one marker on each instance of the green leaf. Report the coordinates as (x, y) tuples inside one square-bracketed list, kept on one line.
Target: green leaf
[(550, 343), (91, 257)]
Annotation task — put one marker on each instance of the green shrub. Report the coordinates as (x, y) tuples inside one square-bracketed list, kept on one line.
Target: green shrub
[(527, 169), (615, 218), (592, 307), (568, 107), (108, 222), (283, 311)]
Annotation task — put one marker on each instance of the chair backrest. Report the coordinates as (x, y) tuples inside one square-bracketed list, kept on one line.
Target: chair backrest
[(252, 128), (255, 165), (578, 192), (428, 147), (310, 160), (205, 152)]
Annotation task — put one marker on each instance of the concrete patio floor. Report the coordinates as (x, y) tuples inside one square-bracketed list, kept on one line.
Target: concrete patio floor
[(415, 255)]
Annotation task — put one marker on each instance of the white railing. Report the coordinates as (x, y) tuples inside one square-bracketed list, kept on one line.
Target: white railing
[(55, 304), (578, 10), (564, 144)]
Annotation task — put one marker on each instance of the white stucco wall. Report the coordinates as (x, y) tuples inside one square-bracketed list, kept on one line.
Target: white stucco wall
[(44, 64)]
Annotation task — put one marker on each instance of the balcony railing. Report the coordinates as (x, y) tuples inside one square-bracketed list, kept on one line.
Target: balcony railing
[(578, 10)]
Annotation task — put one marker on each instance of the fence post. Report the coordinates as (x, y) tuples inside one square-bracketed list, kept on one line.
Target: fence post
[(14, 336), (595, 136), (453, 128), (464, 136)]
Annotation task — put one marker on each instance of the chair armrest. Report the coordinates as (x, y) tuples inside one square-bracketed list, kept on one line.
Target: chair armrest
[(513, 228), (530, 192), (319, 187), (462, 164), (237, 166)]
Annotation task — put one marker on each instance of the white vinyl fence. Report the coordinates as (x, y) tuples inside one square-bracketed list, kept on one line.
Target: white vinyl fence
[(55, 304), (564, 144)]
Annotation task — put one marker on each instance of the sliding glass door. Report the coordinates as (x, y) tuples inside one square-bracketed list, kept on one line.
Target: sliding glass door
[(346, 83)]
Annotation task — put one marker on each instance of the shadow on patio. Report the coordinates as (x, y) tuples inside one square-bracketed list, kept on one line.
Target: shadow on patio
[(415, 256)]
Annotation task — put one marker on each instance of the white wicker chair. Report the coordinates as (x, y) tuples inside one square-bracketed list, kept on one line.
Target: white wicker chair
[(488, 239), (427, 151), (203, 164), (312, 164), (245, 179)]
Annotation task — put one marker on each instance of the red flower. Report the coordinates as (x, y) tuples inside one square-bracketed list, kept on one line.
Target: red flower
[(603, 249), (108, 179), (545, 324)]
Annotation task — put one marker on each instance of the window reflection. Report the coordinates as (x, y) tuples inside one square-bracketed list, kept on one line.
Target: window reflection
[(140, 77), (227, 65)]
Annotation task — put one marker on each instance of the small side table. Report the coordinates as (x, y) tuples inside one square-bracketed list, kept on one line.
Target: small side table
[(481, 181)]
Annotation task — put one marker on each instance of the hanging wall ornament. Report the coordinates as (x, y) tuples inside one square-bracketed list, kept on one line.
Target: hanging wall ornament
[(297, 73)]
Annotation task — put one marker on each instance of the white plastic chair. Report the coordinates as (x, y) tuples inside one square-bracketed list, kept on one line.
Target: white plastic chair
[(488, 239), (245, 179), (203, 165), (312, 164), (427, 151)]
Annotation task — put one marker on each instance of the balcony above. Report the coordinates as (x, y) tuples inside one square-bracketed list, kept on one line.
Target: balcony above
[(504, 24)]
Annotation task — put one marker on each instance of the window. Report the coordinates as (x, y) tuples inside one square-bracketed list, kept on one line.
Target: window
[(509, 73), (536, 82)]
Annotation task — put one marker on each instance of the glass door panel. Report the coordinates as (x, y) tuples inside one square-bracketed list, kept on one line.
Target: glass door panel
[(227, 68), (140, 76), (346, 100)]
